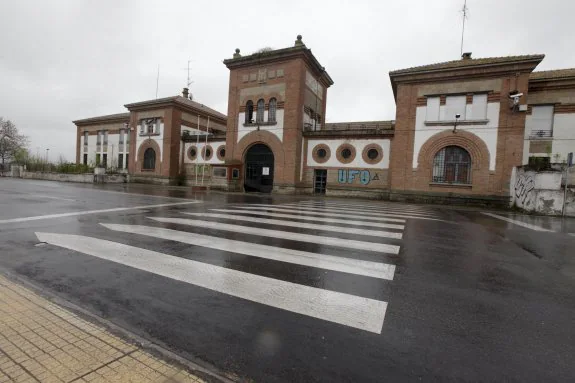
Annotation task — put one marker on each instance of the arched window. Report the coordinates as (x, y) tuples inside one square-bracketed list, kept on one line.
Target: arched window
[(249, 111), (261, 109), (452, 165), (149, 159), (272, 110)]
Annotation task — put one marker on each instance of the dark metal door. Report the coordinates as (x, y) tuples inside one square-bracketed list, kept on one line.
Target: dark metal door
[(320, 181), (259, 169)]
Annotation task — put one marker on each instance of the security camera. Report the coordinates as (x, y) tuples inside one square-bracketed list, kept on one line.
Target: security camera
[(457, 116), (515, 95)]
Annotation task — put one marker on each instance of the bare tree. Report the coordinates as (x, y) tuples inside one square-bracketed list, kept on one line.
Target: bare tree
[(11, 141)]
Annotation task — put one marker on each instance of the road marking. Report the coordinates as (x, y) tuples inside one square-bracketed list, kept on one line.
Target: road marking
[(315, 239), (322, 261), (50, 197), (303, 225), (307, 212), (316, 219), (369, 207), (382, 209), (342, 212), (518, 223), (349, 310), (572, 234), (76, 213)]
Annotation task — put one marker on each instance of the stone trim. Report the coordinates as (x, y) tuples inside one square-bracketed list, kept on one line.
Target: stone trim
[(189, 153), (459, 123), (204, 153), (317, 158), (345, 160), (376, 160), (220, 157)]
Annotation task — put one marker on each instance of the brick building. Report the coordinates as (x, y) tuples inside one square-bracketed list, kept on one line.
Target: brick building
[(460, 128)]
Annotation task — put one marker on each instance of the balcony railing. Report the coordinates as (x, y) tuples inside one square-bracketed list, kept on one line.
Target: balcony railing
[(541, 134)]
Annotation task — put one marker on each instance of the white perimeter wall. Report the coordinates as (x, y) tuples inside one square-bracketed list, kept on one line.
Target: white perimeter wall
[(358, 161), (487, 132)]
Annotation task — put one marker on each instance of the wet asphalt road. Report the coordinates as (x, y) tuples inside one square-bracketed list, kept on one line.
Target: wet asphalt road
[(473, 298)]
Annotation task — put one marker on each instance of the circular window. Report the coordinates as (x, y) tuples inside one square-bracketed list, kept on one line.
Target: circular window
[(221, 152), (346, 153), (207, 153), (321, 153), (372, 154), (192, 153)]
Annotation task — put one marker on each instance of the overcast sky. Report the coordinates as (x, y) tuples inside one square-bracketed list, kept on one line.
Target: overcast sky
[(62, 60)]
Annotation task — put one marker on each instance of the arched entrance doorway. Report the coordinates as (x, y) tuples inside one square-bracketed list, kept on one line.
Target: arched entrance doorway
[(259, 163)]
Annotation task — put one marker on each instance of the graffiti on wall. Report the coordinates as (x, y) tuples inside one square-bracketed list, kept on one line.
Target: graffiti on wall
[(524, 194), (345, 176)]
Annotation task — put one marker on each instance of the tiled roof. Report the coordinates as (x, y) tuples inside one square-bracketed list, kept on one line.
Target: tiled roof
[(467, 63), (197, 105), (180, 100), (552, 74), (107, 117)]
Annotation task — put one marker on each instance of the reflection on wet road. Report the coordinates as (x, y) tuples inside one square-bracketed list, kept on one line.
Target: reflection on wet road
[(300, 289)]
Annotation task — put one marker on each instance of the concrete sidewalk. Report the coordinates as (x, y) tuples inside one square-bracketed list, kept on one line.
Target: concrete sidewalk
[(41, 342)]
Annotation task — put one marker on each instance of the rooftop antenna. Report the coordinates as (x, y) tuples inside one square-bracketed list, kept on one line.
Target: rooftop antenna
[(157, 81), (464, 11), (189, 81)]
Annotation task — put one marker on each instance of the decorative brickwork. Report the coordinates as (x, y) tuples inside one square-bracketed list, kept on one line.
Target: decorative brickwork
[(317, 158), (141, 150), (341, 149), (366, 152), (474, 145)]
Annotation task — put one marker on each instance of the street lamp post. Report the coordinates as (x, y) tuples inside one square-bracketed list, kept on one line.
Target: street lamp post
[(47, 152)]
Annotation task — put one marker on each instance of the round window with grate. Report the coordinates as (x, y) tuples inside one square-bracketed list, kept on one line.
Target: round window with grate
[(346, 153), (208, 153), (372, 154), (193, 152), (222, 153), (321, 153)]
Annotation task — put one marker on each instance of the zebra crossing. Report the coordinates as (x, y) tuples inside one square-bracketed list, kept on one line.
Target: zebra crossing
[(321, 226)]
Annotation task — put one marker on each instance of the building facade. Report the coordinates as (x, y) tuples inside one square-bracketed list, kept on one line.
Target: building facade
[(460, 128)]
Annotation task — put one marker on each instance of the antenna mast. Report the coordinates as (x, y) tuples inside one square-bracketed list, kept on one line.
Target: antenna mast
[(189, 81), (464, 11), (157, 81)]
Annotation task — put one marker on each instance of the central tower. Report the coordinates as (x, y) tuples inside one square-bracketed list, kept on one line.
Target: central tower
[(273, 96)]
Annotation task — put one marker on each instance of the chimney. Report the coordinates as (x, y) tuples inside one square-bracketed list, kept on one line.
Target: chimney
[(466, 56), (185, 93)]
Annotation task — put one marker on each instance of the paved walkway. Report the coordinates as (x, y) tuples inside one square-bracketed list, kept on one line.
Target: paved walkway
[(41, 342)]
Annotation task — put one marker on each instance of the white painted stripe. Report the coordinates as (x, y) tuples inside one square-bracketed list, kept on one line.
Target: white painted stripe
[(316, 239), (321, 213), (343, 212), (302, 225), (368, 207), (518, 223), (322, 261), (363, 209), (572, 234), (316, 219), (85, 212), (349, 310)]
